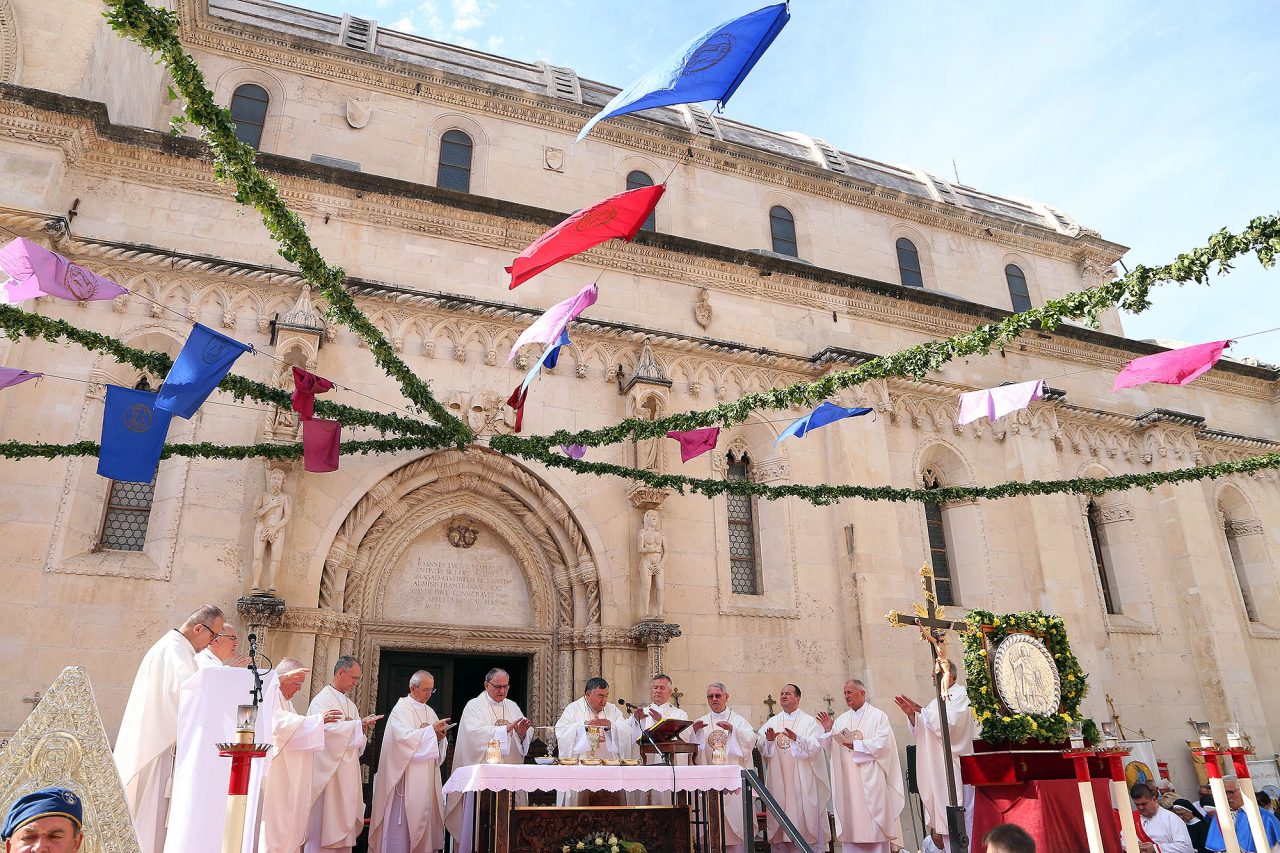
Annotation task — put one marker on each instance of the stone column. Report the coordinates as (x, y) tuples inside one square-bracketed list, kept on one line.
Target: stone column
[(655, 634)]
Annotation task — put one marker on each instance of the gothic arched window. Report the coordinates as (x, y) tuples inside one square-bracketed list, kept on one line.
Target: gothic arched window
[(744, 563), (636, 180), (454, 172), (1019, 295), (128, 510), (1102, 558), (782, 228), (939, 546), (909, 264), (249, 111)]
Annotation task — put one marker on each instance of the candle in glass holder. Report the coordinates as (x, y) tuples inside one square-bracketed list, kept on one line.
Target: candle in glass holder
[(1205, 733), (1076, 732), (1235, 738), (1110, 735)]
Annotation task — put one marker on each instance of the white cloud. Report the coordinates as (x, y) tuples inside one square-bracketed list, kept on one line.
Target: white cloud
[(382, 4), (404, 25), (467, 15), (494, 44)]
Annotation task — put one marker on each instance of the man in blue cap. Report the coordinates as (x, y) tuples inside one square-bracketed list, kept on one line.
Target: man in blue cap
[(44, 821)]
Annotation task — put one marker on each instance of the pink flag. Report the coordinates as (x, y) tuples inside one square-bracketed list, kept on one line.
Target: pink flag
[(997, 402), (36, 271), (321, 439), (1175, 367), (14, 375), (305, 387), (547, 328), (695, 442)]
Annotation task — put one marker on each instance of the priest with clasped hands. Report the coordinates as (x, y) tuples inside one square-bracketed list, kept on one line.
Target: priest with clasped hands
[(797, 771), (866, 778), (721, 726), (337, 817), (593, 711)]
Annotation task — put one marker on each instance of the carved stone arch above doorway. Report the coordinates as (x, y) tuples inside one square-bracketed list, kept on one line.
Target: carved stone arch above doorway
[(399, 576)]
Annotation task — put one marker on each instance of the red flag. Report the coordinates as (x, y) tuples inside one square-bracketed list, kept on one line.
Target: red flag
[(305, 387), (321, 439), (620, 215), (695, 442)]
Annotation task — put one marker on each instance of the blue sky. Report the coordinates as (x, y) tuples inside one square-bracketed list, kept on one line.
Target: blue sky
[(1155, 123)]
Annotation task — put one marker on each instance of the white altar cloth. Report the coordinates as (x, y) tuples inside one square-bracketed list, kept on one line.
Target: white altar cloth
[(555, 777)]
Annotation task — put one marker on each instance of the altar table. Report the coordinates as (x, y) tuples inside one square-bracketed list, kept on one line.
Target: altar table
[(504, 828)]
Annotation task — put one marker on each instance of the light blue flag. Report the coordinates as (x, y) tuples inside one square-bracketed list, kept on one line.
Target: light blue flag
[(133, 433), (205, 359), (825, 414), (709, 67)]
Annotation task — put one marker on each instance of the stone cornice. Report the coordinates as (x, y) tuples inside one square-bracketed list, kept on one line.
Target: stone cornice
[(333, 62)]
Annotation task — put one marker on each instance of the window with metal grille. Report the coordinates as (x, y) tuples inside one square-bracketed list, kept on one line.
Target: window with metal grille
[(454, 172), (1237, 562), (744, 568), (782, 227), (1018, 293), (1105, 574), (249, 111), (909, 264), (636, 180), (124, 527), (939, 553)]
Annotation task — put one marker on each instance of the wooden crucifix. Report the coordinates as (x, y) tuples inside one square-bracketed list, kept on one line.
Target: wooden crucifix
[(933, 624), (770, 702)]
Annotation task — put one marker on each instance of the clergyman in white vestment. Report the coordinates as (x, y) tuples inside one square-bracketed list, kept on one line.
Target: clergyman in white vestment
[(491, 716), (222, 651), (593, 710), (735, 739), (288, 792), (795, 770), (337, 816), (1166, 830), (144, 750), (408, 808), (931, 763), (660, 707), (866, 777)]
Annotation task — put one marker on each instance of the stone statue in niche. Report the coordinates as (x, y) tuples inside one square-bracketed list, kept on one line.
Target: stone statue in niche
[(653, 555), (649, 450), (282, 423), (271, 515)]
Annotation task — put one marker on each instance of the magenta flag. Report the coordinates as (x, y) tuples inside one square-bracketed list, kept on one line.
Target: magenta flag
[(15, 375), (36, 271), (305, 387), (321, 439), (695, 442), (1175, 367), (547, 328)]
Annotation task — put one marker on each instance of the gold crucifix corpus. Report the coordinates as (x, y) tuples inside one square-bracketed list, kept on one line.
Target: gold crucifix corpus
[(930, 618)]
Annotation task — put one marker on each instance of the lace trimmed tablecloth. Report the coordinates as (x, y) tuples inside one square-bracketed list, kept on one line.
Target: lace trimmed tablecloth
[(555, 777)]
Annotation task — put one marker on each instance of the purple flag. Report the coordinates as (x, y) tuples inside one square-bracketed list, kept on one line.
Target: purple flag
[(1175, 367), (550, 356), (825, 414), (555, 319), (14, 375), (574, 451), (36, 271), (997, 402)]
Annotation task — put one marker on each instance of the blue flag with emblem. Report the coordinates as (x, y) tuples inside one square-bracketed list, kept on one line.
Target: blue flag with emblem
[(827, 413), (709, 67), (205, 359), (133, 433)]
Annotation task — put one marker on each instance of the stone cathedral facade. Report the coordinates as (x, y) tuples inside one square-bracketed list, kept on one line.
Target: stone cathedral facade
[(422, 168)]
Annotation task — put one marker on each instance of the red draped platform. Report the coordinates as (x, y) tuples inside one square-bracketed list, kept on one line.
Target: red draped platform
[(1035, 787)]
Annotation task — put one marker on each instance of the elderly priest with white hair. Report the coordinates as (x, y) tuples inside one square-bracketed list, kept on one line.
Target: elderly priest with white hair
[(866, 779), (145, 747), (490, 720), (408, 809), (222, 651), (337, 816), (725, 737), (288, 792)]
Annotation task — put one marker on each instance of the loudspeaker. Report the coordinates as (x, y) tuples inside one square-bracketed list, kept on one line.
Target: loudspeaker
[(912, 787)]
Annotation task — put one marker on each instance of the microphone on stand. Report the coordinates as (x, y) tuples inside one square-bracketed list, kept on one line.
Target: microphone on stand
[(253, 667), (644, 733)]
